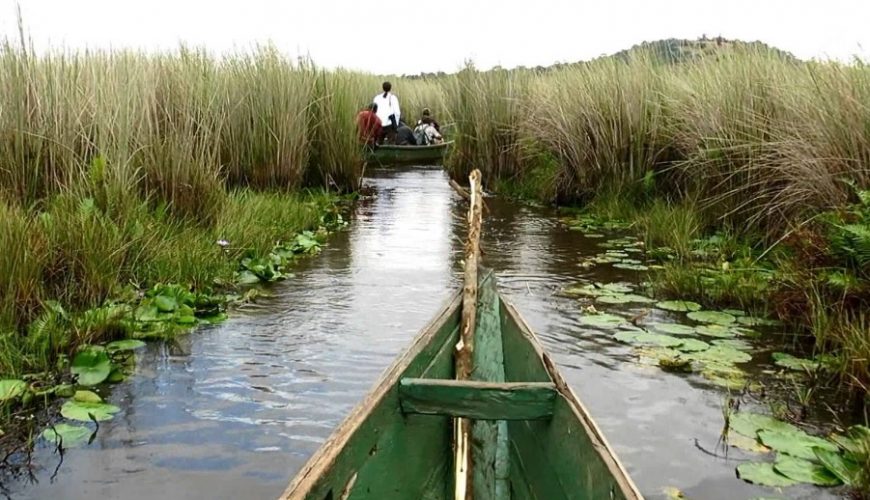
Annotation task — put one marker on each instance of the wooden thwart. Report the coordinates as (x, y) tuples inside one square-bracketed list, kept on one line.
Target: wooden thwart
[(478, 400)]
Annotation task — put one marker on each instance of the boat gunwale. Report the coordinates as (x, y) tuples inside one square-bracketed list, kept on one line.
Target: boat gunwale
[(408, 147), (325, 456), (605, 451)]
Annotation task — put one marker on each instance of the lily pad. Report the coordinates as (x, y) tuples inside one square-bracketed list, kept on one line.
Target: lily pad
[(67, 435), (793, 363), (677, 364), (631, 267), (588, 291), (714, 317), (722, 355), (165, 303), (75, 410), (125, 345), (673, 328), (717, 331), (846, 470), (797, 444), (623, 299), (652, 339), (602, 320), (749, 424), (734, 312), (745, 443), (616, 287), (763, 474), (693, 345), (11, 388), (87, 397), (91, 365), (805, 471), (679, 306)]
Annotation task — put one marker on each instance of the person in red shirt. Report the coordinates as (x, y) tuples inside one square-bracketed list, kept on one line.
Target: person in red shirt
[(369, 125)]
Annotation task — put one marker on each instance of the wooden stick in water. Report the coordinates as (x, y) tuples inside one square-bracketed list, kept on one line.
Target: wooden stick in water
[(465, 346)]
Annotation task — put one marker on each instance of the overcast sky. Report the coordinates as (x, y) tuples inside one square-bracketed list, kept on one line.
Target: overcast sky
[(430, 35)]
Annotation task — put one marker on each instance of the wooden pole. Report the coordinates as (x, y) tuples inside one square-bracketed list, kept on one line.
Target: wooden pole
[(465, 346)]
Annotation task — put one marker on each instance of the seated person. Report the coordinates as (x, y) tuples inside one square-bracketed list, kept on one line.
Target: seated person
[(369, 125), (405, 136), (427, 115), (425, 133)]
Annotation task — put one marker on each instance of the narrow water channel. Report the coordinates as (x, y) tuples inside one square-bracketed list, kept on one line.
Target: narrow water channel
[(233, 411)]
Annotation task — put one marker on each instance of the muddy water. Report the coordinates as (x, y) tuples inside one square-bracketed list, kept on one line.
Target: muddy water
[(233, 411)]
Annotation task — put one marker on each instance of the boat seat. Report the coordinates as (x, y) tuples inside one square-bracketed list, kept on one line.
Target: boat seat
[(477, 400)]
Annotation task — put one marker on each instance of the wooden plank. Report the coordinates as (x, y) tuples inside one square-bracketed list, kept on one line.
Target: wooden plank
[(477, 400), (488, 367), (376, 439), (463, 465), (566, 456)]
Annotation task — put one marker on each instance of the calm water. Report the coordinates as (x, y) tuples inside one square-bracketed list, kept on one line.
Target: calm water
[(233, 411)]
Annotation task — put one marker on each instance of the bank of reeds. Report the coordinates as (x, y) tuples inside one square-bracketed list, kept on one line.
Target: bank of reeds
[(756, 144)]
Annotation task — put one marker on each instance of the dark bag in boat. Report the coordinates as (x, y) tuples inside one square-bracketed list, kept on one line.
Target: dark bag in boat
[(393, 121)]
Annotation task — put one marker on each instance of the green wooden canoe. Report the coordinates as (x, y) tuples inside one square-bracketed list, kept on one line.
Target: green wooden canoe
[(389, 154), (532, 438)]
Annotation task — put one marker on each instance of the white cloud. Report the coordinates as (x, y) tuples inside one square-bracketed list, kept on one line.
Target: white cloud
[(414, 36)]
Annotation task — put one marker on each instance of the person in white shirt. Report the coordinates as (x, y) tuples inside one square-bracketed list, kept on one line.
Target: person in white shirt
[(388, 111), (425, 133)]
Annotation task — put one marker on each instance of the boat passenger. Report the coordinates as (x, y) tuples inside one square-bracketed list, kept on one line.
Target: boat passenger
[(405, 136), (425, 132), (369, 125), (388, 111), (427, 114)]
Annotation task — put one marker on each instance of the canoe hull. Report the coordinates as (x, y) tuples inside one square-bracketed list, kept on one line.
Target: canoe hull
[(381, 451), (408, 155)]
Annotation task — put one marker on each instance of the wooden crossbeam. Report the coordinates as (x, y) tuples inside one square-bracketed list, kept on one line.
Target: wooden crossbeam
[(478, 400)]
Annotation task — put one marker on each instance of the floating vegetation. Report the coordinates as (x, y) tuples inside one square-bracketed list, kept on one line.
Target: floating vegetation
[(793, 363), (753, 321), (679, 306), (643, 338), (673, 328), (796, 443), (763, 474), (693, 345), (602, 320), (805, 471), (623, 299), (632, 267), (91, 365), (11, 389), (712, 317), (87, 412), (717, 331), (69, 436)]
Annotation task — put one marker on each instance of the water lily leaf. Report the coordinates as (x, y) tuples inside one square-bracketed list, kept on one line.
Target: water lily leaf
[(749, 424), (792, 363), (11, 388), (673, 328), (632, 267), (631, 261), (745, 332), (91, 365), (805, 471), (247, 278), (797, 444), (617, 254), (679, 306), (602, 320), (622, 299), (734, 312), (87, 397), (605, 259), (588, 291), (715, 317), (717, 331), (616, 287), (844, 469), (165, 303), (68, 435), (732, 381), (677, 364), (64, 391), (185, 320), (116, 376), (763, 474), (693, 345), (651, 339), (744, 443), (74, 410), (722, 354), (125, 345)]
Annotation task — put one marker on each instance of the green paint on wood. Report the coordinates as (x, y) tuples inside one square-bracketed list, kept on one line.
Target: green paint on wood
[(560, 456), (477, 400), (488, 361), (392, 155)]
